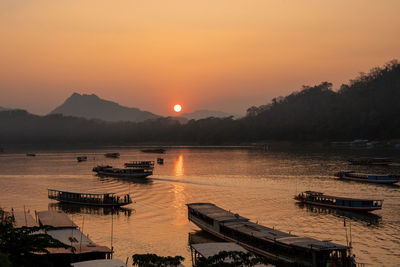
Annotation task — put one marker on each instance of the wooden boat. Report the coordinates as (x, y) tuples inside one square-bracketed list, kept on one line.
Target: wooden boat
[(91, 199), (354, 204), (112, 155), (140, 164), (157, 150), (369, 178), (30, 154), (266, 241), (81, 158), (126, 172), (371, 161)]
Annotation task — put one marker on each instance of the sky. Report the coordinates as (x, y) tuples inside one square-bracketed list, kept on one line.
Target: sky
[(225, 55)]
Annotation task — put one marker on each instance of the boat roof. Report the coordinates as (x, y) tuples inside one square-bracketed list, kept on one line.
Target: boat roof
[(336, 197), (210, 249), (23, 219), (76, 239), (100, 263), (81, 193), (216, 213), (57, 219), (243, 225)]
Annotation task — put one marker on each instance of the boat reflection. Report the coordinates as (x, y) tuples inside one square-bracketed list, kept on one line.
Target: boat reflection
[(146, 181), (369, 218), (92, 210)]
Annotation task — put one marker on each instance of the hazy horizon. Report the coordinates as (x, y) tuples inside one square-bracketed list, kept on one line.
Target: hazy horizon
[(216, 55)]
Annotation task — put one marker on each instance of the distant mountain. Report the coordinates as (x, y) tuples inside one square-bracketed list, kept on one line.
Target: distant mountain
[(93, 107), (3, 109), (204, 113)]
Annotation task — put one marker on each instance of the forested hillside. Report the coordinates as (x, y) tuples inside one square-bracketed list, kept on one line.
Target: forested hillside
[(368, 107)]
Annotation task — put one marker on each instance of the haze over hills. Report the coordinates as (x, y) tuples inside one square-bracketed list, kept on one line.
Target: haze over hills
[(204, 113), (93, 107)]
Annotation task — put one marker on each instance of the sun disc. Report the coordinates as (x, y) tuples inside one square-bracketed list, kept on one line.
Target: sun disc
[(177, 108)]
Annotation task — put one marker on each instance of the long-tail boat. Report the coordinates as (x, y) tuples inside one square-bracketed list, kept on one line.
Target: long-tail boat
[(344, 203), (369, 178), (122, 172), (266, 241), (90, 199)]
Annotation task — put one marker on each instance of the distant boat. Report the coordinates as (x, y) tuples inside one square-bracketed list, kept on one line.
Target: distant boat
[(344, 203), (156, 150), (126, 172), (371, 161), (112, 155), (265, 241), (81, 158), (140, 164), (369, 178), (90, 199), (160, 160), (30, 154)]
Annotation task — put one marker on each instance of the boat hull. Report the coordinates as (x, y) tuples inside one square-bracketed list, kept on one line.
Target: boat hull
[(92, 204), (363, 209)]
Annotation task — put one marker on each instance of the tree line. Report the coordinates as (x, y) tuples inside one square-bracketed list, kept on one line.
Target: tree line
[(367, 107)]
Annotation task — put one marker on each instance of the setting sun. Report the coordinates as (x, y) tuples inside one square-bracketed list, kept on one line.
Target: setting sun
[(177, 108)]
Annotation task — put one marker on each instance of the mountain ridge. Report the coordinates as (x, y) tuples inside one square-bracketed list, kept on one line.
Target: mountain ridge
[(94, 107)]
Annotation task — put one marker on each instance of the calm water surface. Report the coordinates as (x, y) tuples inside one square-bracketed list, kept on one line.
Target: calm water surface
[(256, 184)]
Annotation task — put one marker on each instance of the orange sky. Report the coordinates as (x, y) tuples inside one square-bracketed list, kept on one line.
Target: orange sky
[(223, 55)]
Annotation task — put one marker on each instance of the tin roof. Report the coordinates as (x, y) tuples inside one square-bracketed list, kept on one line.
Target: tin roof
[(57, 219), (216, 213), (75, 238), (23, 219), (210, 249), (100, 263)]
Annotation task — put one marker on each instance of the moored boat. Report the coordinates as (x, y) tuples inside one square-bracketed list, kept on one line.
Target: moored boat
[(371, 161), (122, 172), (90, 199), (156, 150), (266, 241), (140, 164), (112, 155), (81, 158), (354, 204), (369, 178)]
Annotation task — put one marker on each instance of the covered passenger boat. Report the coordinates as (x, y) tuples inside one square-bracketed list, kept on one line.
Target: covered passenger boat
[(368, 178), (91, 199), (266, 241), (123, 173), (344, 203)]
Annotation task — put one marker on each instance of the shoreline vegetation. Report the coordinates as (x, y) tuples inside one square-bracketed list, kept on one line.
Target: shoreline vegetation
[(366, 108)]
